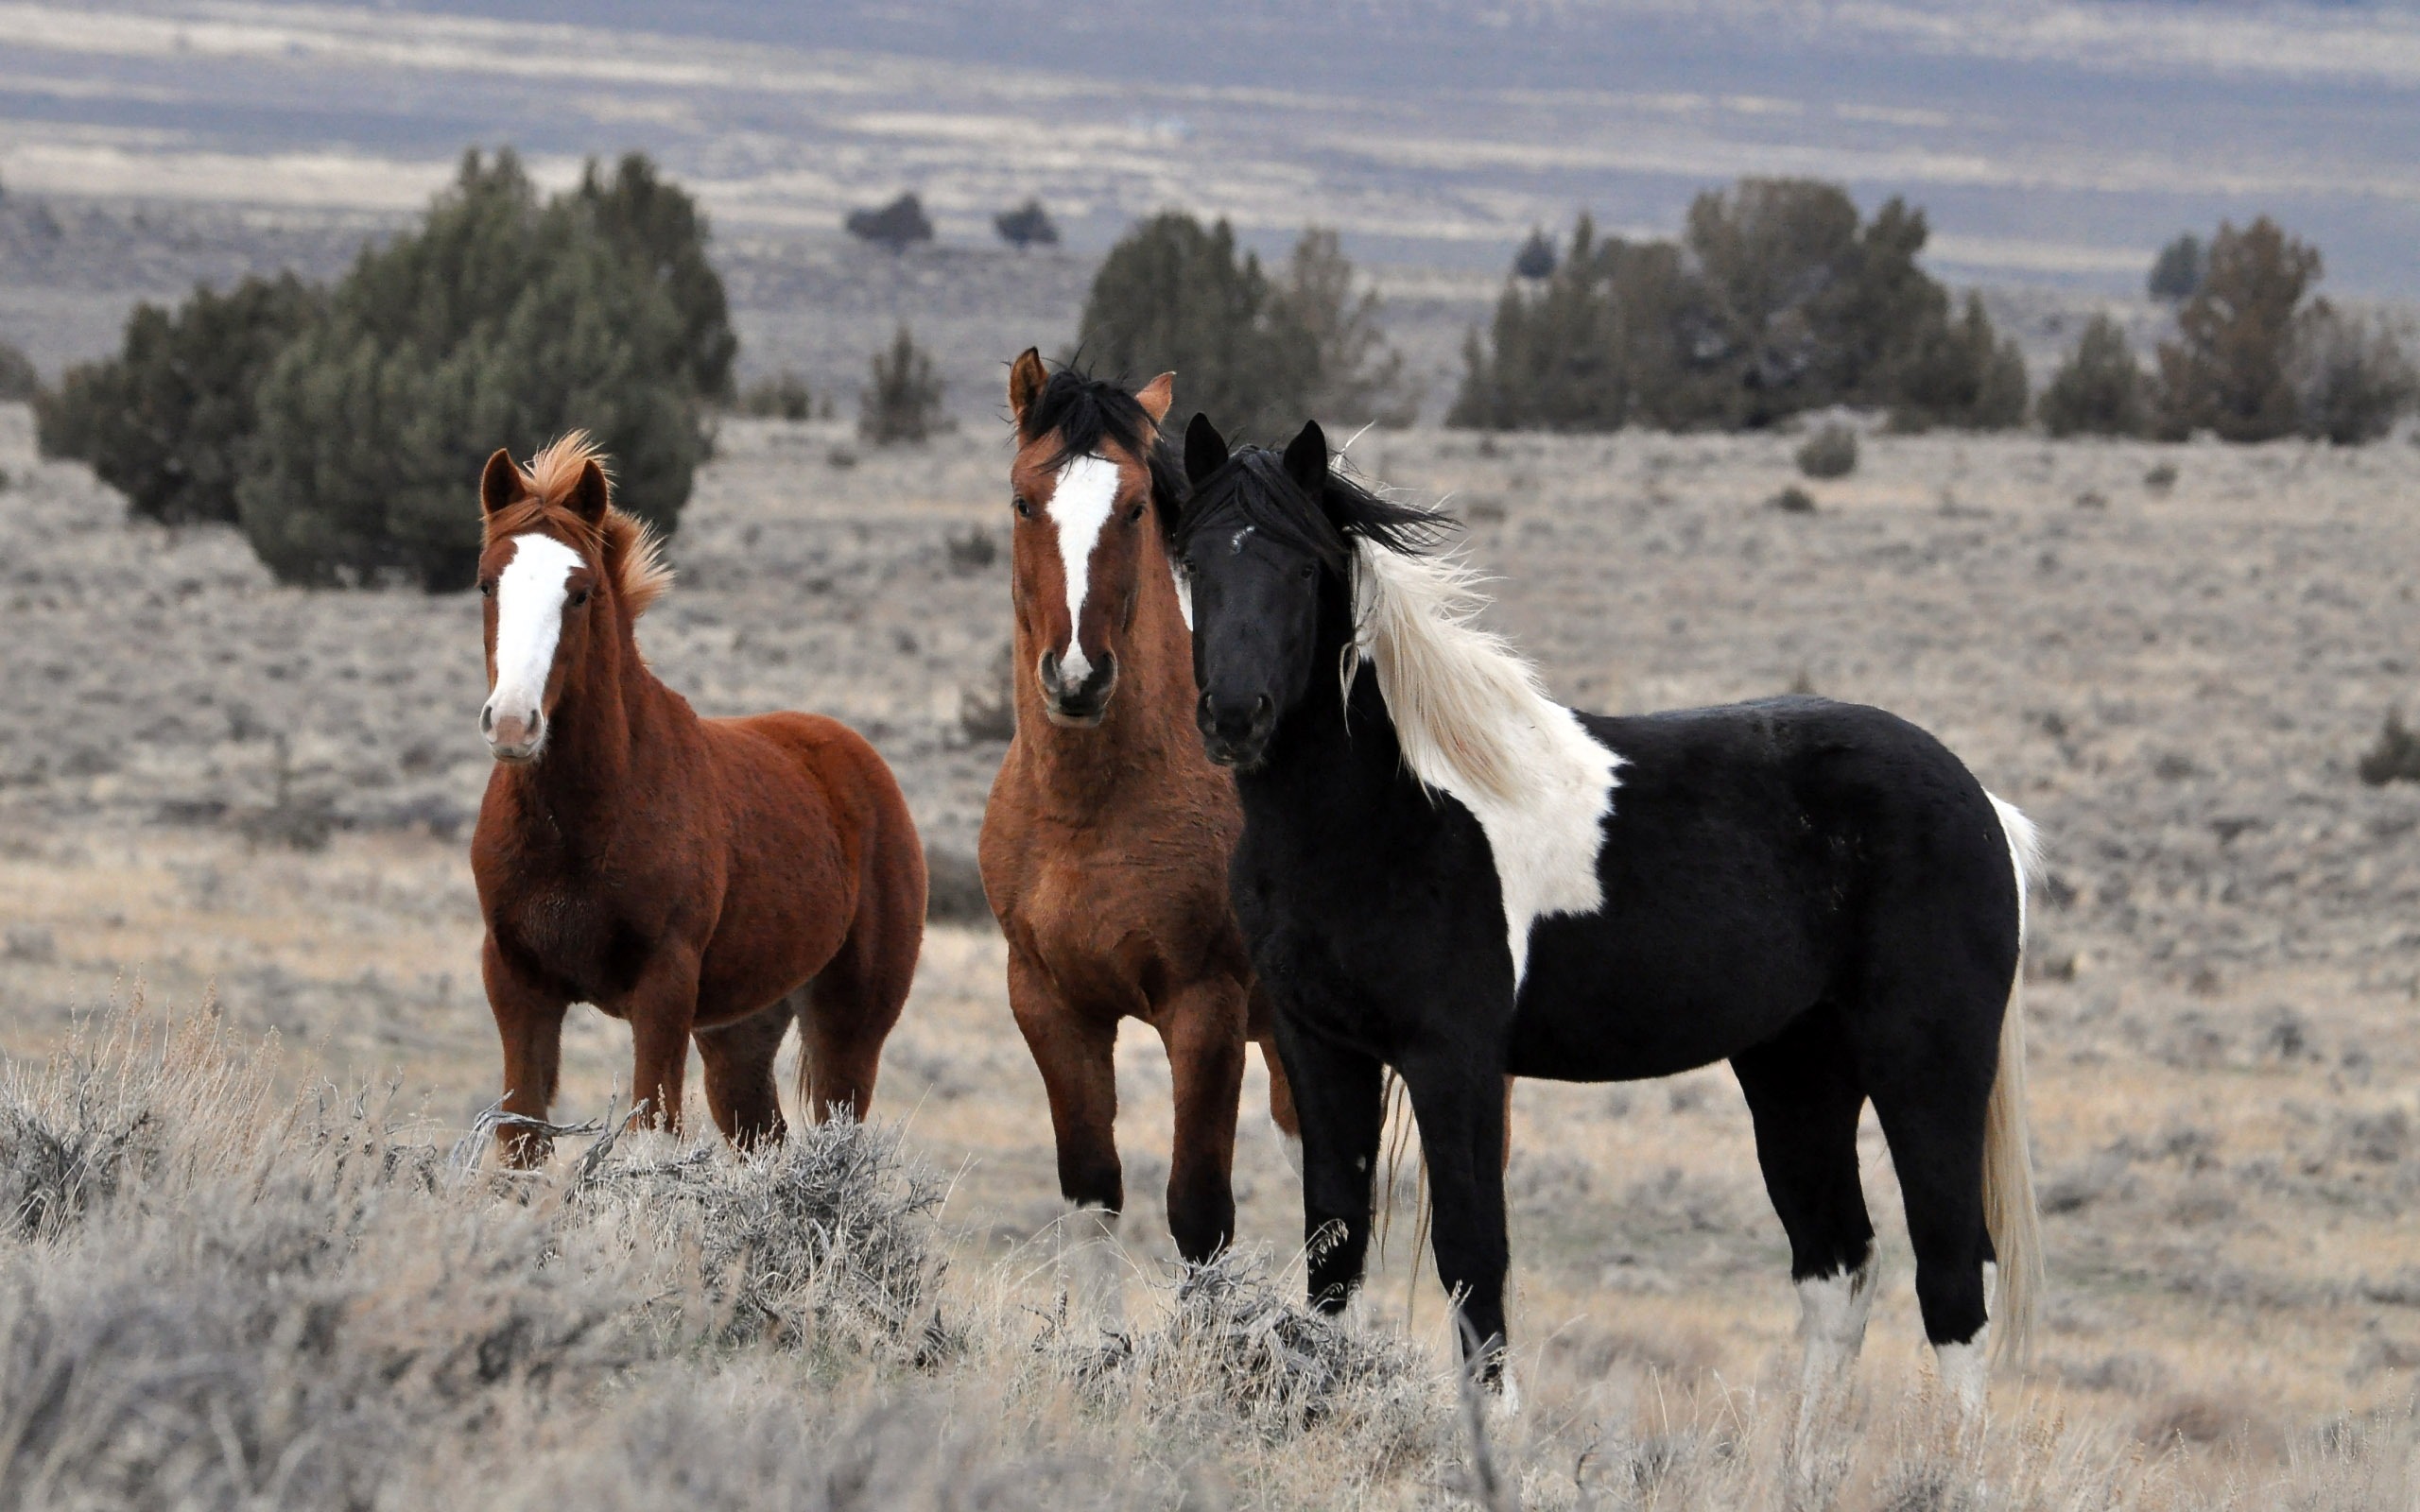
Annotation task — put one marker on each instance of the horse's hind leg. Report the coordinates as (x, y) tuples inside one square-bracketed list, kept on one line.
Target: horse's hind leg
[(1803, 1096), (854, 1003), (738, 1060), (1931, 1091)]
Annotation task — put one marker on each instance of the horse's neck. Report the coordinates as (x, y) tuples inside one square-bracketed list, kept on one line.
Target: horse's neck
[(606, 740), (1148, 723)]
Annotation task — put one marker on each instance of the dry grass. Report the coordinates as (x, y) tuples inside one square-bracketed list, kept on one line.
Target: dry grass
[(228, 1298), (2177, 681)]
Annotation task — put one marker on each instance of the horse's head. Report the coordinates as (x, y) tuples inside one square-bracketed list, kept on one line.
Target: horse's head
[(558, 564), (1093, 494), (1268, 552)]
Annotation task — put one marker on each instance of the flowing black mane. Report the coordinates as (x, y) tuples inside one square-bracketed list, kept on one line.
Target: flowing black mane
[(1085, 412), (1253, 488)]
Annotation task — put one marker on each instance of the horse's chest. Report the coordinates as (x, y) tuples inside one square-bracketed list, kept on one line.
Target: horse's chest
[(571, 935)]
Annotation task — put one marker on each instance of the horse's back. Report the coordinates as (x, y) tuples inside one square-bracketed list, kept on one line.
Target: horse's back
[(816, 831), (1751, 854)]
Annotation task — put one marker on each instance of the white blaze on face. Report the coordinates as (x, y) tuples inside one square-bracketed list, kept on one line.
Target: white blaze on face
[(528, 620), (1080, 506)]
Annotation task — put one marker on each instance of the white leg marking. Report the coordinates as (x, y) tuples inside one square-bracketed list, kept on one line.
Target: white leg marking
[(1292, 1145), (529, 621), (1080, 506), (1832, 1312), (1965, 1368)]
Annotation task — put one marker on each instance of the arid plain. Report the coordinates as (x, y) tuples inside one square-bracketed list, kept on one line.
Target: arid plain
[(2171, 657)]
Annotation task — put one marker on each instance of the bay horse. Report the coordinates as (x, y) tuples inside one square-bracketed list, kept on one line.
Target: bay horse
[(700, 879), (1445, 873), (1106, 838)]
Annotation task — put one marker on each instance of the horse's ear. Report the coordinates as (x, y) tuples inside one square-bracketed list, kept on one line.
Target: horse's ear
[(1156, 396), (1205, 450), (1306, 458), (591, 495), (500, 483), (1025, 377)]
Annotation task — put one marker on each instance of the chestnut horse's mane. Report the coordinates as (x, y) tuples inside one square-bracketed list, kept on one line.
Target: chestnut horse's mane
[(633, 553)]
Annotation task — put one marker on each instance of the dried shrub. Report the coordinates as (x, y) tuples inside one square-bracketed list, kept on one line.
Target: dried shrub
[(826, 1236), (1237, 1343), (1794, 500), (1830, 453)]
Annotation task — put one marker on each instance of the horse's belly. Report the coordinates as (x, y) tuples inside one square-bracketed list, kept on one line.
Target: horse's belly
[(1623, 1013)]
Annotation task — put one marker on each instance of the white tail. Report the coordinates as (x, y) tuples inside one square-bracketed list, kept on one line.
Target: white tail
[(2009, 1211)]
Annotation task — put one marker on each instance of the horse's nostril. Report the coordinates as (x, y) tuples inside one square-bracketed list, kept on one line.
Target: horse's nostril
[(487, 719), (1261, 707)]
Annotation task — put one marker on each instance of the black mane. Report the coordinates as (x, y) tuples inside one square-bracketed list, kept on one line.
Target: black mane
[(1253, 489), (1085, 412)]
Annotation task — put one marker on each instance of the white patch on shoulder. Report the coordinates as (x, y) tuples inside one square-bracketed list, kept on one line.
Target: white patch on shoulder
[(1546, 839), (1080, 506), (1475, 723), (529, 619)]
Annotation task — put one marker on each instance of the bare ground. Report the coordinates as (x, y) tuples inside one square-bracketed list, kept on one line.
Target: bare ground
[(2174, 679)]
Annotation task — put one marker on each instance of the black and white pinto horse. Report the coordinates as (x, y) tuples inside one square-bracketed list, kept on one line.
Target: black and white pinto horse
[(1445, 873)]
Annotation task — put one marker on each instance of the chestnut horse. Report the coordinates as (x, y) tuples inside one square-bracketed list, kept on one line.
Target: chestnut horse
[(706, 879), (1105, 843)]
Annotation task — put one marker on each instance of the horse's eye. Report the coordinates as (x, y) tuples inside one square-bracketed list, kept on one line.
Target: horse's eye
[(1307, 571), (1134, 516), (487, 589), (579, 597), (1024, 509)]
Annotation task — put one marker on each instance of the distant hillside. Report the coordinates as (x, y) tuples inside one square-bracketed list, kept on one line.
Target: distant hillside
[(2053, 140)]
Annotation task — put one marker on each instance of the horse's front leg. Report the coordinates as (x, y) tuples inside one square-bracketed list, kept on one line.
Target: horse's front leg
[(1337, 1098), (530, 1022), (1459, 1099), (1202, 1027), (661, 1009)]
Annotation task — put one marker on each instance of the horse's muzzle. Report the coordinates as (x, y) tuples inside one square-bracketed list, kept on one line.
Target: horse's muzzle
[(514, 737), (1236, 731), (1078, 705)]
